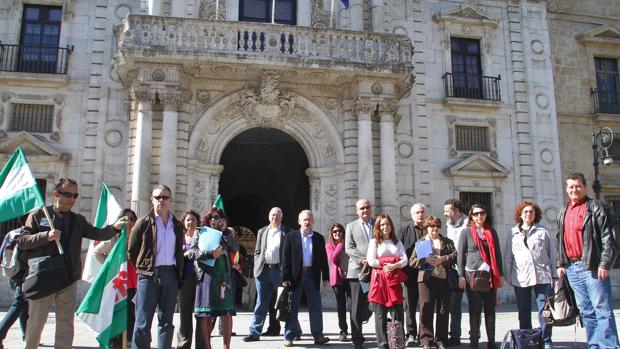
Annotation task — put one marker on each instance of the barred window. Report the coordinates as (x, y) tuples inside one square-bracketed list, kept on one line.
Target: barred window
[(32, 117), (472, 138), (469, 198), (614, 208)]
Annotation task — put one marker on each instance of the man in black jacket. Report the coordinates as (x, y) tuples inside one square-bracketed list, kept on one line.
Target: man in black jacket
[(304, 264), (586, 252)]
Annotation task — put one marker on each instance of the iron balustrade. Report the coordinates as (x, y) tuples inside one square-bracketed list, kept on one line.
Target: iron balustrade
[(472, 86), (606, 102), (34, 58)]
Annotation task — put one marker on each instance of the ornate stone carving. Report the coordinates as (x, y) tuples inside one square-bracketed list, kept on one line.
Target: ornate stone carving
[(158, 75), (203, 96), (331, 104), (364, 110), (269, 106), (320, 17), (208, 7)]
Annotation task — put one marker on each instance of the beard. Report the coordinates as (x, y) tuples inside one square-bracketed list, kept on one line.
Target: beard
[(450, 220)]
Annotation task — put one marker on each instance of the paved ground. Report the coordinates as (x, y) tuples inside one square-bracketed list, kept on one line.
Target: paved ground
[(564, 337)]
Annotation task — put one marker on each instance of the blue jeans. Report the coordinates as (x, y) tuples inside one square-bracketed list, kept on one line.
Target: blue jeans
[(292, 328), (456, 312), (593, 298), (268, 280), (155, 292), (524, 304), (18, 309)]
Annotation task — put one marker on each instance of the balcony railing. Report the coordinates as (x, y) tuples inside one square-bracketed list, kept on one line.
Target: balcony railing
[(154, 36), (34, 59), (472, 86), (606, 102)]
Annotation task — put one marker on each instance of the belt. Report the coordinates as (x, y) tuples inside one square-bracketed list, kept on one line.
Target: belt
[(166, 266), (273, 265), (574, 259), (306, 268)]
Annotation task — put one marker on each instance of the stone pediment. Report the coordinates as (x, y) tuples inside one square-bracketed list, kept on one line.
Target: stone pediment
[(478, 166), (467, 14), (607, 35), (34, 148)]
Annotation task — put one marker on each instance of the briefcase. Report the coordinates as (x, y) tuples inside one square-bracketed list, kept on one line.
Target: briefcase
[(46, 275)]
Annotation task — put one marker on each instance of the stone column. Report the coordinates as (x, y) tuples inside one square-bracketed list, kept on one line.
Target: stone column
[(365, 167), (356, 15), (389, 199), (376, 15), (141, 166), (154, 7), (168, 152), (304, 13)]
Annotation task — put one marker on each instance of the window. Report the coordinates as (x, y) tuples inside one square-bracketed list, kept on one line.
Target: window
[(607, 85), (466, 68), (614, 208), (32, 117), (469, 198), (472, 138), (260, 11), (9, 225), (40, 37)]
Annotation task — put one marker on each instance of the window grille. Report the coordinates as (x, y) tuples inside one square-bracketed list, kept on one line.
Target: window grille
[(472, 138), (614, 209), (32, 117), (469, 198)]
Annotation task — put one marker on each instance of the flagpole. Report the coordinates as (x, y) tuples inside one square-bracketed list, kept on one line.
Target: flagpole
[(124, 338), (331, 16), (273, 11), (217, 9), (49, 220)]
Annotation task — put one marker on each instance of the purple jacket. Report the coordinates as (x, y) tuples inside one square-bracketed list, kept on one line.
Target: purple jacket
[(338, 263)]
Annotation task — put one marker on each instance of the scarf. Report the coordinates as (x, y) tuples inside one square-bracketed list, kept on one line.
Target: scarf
[(492, 259)]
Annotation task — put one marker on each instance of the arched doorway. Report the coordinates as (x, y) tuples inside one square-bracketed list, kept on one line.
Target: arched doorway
[(263, 168)]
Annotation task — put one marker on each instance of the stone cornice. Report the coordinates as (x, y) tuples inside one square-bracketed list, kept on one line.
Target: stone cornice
[(467, 14)]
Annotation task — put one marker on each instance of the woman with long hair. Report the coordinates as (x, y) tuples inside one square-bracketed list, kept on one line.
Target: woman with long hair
[(338, 265), (387, 256), (214, 286), (433, 285), (480, 263), (528, 257), (187, 292)]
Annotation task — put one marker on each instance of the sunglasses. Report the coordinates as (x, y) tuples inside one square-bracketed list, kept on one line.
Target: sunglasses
[(214, 218), (337, 231), (68, 194), (161, 197), (479, 213)]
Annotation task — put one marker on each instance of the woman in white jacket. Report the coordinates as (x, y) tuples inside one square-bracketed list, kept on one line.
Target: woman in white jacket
[(527, 263)]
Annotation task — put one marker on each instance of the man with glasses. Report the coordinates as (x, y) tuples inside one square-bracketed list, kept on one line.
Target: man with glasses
[(586, 252), (156, 250), (267, 257), (409, 235), (357, 235), (40, 240)]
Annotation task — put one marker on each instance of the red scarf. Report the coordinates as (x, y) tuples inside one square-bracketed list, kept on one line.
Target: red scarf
[(492, 261)]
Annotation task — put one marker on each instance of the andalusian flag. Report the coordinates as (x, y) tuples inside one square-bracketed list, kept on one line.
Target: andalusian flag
[(19, 193), (219, 203), (107, 213), (104, 307)]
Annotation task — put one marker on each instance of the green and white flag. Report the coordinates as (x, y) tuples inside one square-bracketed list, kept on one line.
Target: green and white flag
[(219, 202), (19, 193), (107, 213), (104, 307)]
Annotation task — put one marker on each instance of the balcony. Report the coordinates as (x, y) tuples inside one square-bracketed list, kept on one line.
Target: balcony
[(605, 102), (203, 43), (34, 59)]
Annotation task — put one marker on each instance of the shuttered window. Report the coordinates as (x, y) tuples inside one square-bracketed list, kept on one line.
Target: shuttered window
[(472, 138), (32, 117)]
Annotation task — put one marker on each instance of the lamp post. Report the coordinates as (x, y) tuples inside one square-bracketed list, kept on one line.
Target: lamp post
[(602, 140)]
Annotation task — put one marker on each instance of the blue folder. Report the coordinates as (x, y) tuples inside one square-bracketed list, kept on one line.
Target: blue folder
[(208, 240)]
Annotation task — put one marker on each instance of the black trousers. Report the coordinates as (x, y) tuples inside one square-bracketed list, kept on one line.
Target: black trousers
[(342, 293), (274, 324), (412, 296), (477, 302), (359, 306)]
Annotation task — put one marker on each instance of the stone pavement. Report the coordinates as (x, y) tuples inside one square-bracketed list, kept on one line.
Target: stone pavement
[(563, 337)]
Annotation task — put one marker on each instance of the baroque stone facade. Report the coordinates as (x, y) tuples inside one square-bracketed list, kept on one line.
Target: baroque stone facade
[(157, 94)]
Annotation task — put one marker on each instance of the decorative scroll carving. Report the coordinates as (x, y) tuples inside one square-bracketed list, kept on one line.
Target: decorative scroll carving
[(208, 7), (269, 106), (320, 17)]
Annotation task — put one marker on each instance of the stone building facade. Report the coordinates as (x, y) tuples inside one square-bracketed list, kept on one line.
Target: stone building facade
[(399, 101)]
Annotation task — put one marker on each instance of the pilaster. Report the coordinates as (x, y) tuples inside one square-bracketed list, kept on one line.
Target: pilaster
[(365, 171)]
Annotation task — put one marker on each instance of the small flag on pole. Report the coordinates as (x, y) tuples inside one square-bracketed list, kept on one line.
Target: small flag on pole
[(107, 213), (104, 307), (219, 203), (345, 3), (19, 193)]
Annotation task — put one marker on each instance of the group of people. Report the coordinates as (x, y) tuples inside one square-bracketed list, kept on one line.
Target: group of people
[(369, 264)]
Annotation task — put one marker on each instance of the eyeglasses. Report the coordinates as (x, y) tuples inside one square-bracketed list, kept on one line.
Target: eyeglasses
[(68, 194), (214, 218), (364, 208), (479, 213), (434, 226), (161, 197)]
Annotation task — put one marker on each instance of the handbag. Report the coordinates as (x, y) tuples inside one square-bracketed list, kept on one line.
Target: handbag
[(284, 302), (479, 280), (523, 339), (365, 273), (453, 280), (46, 275), (560, 308), (395, 334)]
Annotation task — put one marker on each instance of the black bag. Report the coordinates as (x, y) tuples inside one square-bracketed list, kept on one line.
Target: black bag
[(46, 275), (523, 339), (479, 280), (453, 280), (365, 273), (560, 309), (284, 302)]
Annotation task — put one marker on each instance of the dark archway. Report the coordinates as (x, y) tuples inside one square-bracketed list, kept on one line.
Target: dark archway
[(264, 168)]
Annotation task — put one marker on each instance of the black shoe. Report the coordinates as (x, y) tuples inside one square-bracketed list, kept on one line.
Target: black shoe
[(321, 341), (473, 345), (343, 337), (491, 345), (250, 338), (358, 345), (270, 333), (453, 341)]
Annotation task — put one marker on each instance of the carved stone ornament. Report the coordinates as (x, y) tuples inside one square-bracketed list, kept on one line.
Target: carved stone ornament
[(208, 9), (203, 96), (320, 17), (269, 106), (377, 88)]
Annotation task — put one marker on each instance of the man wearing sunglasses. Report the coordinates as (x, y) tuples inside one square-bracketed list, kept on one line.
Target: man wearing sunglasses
[(156, 250), (40, 240)]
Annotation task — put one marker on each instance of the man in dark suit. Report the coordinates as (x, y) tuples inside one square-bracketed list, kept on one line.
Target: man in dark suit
[(304, 264), (267, 257)]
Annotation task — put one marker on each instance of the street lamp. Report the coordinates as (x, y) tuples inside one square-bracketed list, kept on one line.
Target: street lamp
[(602, 141)]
